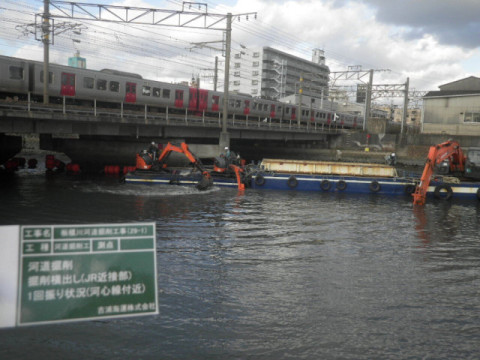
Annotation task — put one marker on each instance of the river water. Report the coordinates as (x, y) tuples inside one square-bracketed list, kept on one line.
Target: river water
[(270, 275)]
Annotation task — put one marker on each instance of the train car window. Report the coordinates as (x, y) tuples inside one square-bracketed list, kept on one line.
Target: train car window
[(166, 93), (146, 90), (254, 106), (68, 79), (88, 82), (131, 88), (279, 108), (50, 77), (238, 103), (156, 92), (101, 84), (265, 107), (179, 95), (231, 103), (287, 110), (16, 73), (216, 99), (114, 86)]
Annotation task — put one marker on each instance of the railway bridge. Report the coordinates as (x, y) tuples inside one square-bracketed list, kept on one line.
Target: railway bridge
[(94, 136)]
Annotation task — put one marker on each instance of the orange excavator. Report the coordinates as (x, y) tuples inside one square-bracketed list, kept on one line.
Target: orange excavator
[(445, 158), (146, 160), (229, 163)]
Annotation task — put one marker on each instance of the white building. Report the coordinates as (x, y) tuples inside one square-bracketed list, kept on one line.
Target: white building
[(273, 74)]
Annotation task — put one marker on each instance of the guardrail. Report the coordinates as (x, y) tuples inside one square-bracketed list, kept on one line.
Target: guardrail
[(169, 117)]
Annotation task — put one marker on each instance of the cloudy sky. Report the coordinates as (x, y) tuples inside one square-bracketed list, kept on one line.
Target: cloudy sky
[(432, 42)]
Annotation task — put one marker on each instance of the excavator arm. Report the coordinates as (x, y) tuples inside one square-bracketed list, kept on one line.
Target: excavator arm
[(438, 153), (182, 149)]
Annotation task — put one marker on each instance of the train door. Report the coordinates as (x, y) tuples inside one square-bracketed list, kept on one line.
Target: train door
[(193, 99), (68, 84), (130, 92), (202, 99), (179, 98), (246, 109), (215, 103), (294, 114), (272, 111)]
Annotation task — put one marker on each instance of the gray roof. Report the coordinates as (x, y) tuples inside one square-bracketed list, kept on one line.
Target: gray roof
[(451, 93)]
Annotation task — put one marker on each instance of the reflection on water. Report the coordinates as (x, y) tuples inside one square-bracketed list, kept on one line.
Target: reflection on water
[(271, 275)]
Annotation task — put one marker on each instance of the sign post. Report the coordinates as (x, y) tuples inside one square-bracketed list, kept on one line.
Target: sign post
[(83, 272)]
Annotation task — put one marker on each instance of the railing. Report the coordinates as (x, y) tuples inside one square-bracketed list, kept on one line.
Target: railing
[(144, 116)]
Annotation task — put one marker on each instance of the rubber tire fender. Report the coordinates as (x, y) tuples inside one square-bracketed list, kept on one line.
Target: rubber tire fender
[(292, 182), (439, 188), (259, 180), (341, 185), (325, 185), (374, 186)]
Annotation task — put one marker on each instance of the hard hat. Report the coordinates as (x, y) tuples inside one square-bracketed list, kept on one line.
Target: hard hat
[(153, 142), (226, 147)]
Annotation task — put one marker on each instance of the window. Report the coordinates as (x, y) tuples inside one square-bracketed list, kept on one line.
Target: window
[(146, 90), (238, 103), (16, 73), (231, 103), (237, 65), (255, 73), (287, 110), (101, 84), (50, 77), (215, 99), (156, 92), (114, 86), (236, 83), (254, 91), (254, 106), (179, 95), (88, 83), (236, 73), (237, 56), (131, 88), (255, 64), (166, 93), (256, 54), (265, 107), (472, 117), (68, 79), (254, 82)]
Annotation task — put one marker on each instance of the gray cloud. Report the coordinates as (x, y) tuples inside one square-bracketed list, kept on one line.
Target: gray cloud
[(451, 22)]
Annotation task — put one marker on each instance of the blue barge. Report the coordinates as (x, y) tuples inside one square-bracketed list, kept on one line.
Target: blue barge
[(294, 175)]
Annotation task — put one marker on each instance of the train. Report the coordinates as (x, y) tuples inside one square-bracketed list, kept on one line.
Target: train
[(21, 78)]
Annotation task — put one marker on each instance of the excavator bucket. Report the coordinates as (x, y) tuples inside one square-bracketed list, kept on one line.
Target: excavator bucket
[(205, 183)]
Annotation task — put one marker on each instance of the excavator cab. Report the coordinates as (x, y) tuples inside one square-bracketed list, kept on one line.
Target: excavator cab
[(472, 164)]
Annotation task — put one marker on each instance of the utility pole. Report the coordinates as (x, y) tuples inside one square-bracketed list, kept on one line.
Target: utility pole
[(405, 107), (224, 135), (368, 100), (215, 74), (46, 43)]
